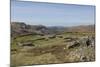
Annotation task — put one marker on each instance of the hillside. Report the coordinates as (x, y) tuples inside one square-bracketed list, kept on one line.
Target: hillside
[(38, 44), (18, 28), (82, 28)]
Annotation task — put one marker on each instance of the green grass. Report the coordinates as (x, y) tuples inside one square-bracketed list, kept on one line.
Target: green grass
[(49, 51)]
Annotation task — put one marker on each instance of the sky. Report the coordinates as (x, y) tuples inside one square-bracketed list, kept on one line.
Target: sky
[(50, 14)]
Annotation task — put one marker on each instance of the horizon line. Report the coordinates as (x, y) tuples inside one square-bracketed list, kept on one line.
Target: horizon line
[(54, 25)]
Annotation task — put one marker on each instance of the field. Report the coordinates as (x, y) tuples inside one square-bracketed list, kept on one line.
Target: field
[(51, 33), (66, 47)]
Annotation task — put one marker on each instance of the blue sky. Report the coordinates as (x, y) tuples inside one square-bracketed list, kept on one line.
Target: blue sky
[(50, 14)]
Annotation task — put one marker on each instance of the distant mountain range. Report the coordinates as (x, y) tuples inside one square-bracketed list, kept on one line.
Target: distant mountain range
[(18, 28)]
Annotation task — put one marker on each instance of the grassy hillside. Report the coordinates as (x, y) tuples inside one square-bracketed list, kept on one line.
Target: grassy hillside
[(43, 48)]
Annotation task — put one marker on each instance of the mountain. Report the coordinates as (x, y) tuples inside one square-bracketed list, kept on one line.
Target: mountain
[(81, 28), (20, 28)]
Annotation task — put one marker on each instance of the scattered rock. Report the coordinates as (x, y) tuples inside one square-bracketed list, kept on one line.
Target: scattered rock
[(60, 36), (26, 44), (88, 42), (76, 44), (51, 37)]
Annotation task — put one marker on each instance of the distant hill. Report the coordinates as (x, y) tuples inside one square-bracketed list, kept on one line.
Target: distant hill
[(20, 28), (24, 29), (81, 28)]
